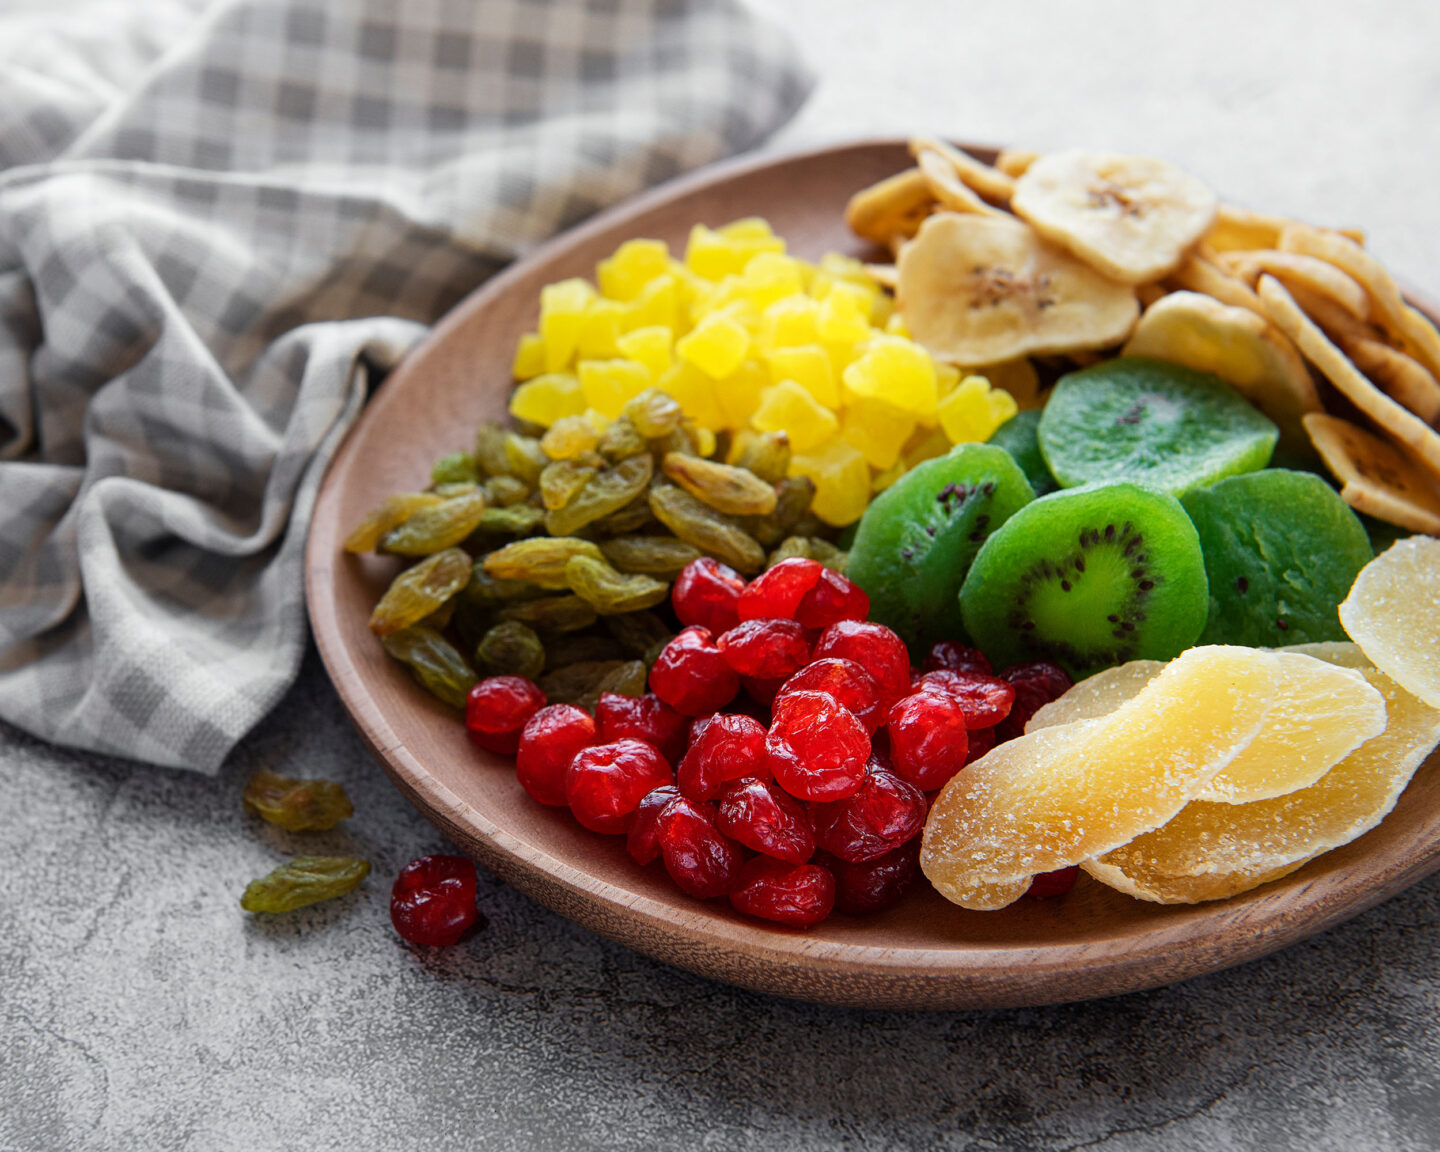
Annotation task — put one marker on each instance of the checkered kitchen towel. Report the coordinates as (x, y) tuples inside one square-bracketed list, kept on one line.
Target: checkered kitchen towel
[(217, 223)]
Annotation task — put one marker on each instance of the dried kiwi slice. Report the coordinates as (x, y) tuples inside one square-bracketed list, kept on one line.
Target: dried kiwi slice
[(1019, 436), (1152, 423), (1089, 577), (917, 538), (1281, 551)]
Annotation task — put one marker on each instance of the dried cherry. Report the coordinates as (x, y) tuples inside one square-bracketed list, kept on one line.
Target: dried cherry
[(548, 742), (728, 748), (692, 676), (497, 710), (705, 593), (701, 861), (606, 782), (817, 748), (798, 895), (433, 901), (883, 813), (776, 593), (769, 649), (768, 819), (929, 740)]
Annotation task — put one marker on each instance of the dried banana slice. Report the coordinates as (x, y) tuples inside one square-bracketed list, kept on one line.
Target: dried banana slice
[(1240, 347), (990, 182), (892, 208), (1308, 272), (1197, 274), (1376, 478), (948, 189), (1411, 433), (1401, 378), (1132, 217), (1015, 161), (985, 289)]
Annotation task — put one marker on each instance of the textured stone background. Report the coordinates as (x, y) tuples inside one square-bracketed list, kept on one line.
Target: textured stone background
[(139, 1009)]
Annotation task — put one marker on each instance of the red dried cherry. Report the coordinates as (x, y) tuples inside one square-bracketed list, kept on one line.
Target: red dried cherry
[(548, 743), (986, 700), (1056, 883), (761, 691), (706, 593), (776, 593), (433, 900), (953, 656), (646, 718), (817, 748), (834, 598), (981, 741), (876, 649), (701, 861), (606, 782), (798, 895), (765, 649), (871, 885), (728, 748), (929, 742), (692, 676), (642, 840), (884, 813), (498, 708), (764, 817), (1036, 683), (847, 682)]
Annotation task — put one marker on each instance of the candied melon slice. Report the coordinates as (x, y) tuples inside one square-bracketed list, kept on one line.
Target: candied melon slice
[(1069, 793), (1212, 851), (1097, 695), (1393, 613)]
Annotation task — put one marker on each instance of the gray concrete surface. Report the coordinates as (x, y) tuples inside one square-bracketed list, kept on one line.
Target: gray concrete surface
[(139, 1009)]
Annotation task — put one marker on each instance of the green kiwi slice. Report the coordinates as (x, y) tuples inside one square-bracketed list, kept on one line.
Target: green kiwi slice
[(1018, 436), (1089, 577), (1152, 423), (1281, 551), (917, 538)]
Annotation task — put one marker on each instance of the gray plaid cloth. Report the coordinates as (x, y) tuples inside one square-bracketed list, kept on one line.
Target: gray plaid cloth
[(203, 265)]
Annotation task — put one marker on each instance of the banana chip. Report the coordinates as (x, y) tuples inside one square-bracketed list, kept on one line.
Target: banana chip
[(1235, 344), (986, 289), (1132, 217), (1404, 427), (1404, 380), (1196, 274), (1015, 161), (883, 275), (990, 182), (892, 208), (1376, 478), (947, 188), (1308, 272)]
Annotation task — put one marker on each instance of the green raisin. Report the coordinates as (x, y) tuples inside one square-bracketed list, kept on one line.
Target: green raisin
[(569, 437), (633, 516), (511, 649), (551, 614), (433, 529), (609, 591), (434, 662), (505, 491), (296, 805), (699, 524), (525, 457), (419, 591), (809, 548), (639, 632), (304, 880), (577, 647), (560, 481), (626, 680), (653, 413), (734, 491), (606, 492), (792, 500), (456, 468), (490, 456), (767, 454), (483, 590), (391, 514), (566, 685), (663, 556), (441, 617), (517, 520), (540, 561), (461, 488), (621, 440)]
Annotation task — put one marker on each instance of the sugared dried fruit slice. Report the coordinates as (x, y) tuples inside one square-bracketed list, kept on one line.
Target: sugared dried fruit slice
[(1393, 613), (1097, 695), (983, 289), (1212, 851), (1066, 794)]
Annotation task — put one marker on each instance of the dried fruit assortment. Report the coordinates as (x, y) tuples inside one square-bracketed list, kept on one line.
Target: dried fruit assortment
[(732, 583)]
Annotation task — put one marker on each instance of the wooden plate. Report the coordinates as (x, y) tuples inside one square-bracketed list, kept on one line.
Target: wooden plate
[(925, 953)]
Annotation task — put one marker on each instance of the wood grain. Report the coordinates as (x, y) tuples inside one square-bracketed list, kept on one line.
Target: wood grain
[(925, 953)]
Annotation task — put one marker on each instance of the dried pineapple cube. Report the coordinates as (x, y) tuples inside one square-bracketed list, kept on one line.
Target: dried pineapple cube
[(715, 254), (696, 394), (771, 276), (809, 366), (844, 315), (789, 323), (841, 478), (601, 330), (897, 371), (529, 357), (547, 398), (972, 412), (717, 345), (650, 346), (739, 393), (608, 384), (658, 304), (789, 408), (879, 430), (635, 264), (562, 318)]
